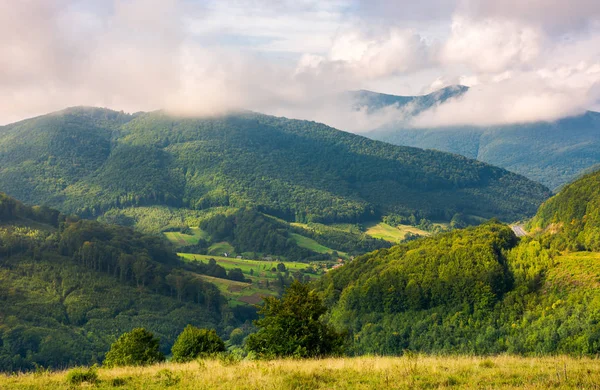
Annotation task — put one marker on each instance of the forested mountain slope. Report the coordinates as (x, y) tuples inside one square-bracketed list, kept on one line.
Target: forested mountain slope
[(69, 288), (481, 290), (88, 161), (551, 153), (573, 215), (477, 290)]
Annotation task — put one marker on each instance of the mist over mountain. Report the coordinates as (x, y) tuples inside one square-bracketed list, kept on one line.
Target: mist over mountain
[(374, 101), (88, 161), (552, 153)]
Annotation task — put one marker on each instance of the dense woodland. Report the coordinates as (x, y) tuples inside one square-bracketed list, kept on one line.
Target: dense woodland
[(250, 231), (68, 287), (89, 161), (551, 153), (480, 290), (575, 213)]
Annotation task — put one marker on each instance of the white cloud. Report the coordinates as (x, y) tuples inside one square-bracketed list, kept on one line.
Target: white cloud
[(291, 57), (555, 16), (366, 55), (520, 99), (491, 45)]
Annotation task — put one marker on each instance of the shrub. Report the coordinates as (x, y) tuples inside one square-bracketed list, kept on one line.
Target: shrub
[(292, 326), (194, 342), (78, 376), (136, 348), (117, 382)]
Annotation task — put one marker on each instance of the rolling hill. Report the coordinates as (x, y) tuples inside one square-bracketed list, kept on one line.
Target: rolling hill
[(69, 288), (88, 161), (573, 215), (551, 153), (481, 290)]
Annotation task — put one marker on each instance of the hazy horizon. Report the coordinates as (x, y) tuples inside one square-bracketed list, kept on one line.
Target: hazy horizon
[(524, 62)]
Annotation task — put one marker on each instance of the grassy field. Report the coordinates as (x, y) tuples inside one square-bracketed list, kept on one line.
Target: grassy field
[(259, 266), (393, 234), (180, 239), (239, 292), (221, 248), (309, 243), (261, 273), (414, 372)]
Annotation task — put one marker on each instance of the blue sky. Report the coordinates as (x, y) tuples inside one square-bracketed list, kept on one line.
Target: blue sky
[(525, 61)]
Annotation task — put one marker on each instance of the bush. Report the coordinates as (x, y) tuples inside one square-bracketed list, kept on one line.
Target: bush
[(78, 376), (136, 348), (194, 342), (292, 326)]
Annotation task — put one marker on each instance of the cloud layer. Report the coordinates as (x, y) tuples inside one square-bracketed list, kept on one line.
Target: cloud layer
[(526, 61)]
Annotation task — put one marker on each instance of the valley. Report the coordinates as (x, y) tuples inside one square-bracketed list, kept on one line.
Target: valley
[(396, 279), (302, 195), (261, 277)]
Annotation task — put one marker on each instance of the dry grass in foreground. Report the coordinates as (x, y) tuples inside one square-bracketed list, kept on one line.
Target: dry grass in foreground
[(407, 372)]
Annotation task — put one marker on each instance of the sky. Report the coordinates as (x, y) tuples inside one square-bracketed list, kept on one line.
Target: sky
[(524, 60)]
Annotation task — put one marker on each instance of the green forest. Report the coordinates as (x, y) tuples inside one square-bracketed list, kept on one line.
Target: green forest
[(480, 290), (69, 287), (88, 161)]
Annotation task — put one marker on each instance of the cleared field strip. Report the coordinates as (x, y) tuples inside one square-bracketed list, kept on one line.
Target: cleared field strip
[(393, 234)]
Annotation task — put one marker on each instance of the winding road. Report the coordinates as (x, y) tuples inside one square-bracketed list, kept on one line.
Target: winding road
[(519, 231)]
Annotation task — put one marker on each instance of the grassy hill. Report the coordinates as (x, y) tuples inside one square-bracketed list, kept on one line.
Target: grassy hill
[(393, 234), (262, 277), (413, 371), (89, 161)]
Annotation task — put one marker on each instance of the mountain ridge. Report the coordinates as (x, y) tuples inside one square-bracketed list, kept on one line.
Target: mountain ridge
[(552, 153), (87, 161)]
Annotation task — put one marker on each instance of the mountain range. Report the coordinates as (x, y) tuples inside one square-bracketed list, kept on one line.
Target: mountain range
[(88, 161), (259, 185), (551, 153)]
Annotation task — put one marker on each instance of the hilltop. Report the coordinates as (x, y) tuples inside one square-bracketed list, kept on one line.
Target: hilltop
[(374, 101), (88, 161), (573, 215)]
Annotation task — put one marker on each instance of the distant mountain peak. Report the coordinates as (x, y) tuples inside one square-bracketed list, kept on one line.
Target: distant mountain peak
[(375, 100), (449, 91)]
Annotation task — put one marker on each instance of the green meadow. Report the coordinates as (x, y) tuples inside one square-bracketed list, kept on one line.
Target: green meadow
[(393, 234), (262, 273), (309, 243), (407, 372), (181, 239)]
